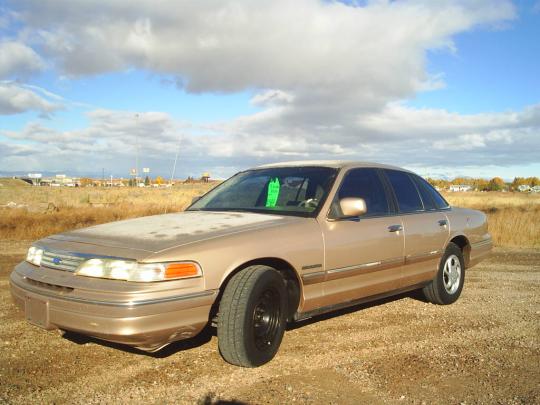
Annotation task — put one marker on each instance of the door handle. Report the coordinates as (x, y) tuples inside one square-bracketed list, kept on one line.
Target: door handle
[(395, 228), (443, 222)]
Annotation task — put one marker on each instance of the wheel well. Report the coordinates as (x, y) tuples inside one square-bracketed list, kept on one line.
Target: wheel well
[(465, 247), (286, 270)]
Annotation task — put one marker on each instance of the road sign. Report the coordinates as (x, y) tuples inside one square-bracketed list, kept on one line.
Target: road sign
[(34, 175), (146, 170)]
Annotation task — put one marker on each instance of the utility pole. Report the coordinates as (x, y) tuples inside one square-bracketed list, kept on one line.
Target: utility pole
[(136, 152), (175, 160)]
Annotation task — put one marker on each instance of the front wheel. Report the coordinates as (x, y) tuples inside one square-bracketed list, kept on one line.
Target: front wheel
[(447, 285), (252, 316)]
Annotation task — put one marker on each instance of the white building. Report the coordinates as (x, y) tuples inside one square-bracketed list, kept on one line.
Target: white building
[(459, 187)]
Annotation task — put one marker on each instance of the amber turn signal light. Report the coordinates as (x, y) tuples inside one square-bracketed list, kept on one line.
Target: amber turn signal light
[(178, 270)]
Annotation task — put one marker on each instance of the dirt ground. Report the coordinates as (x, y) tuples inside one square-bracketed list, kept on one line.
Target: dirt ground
[(483, 349)]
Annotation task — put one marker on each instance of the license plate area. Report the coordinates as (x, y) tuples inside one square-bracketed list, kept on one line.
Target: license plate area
[(37, 312)]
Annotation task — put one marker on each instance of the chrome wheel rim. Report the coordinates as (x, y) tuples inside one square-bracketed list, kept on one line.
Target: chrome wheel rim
[(452, 274)]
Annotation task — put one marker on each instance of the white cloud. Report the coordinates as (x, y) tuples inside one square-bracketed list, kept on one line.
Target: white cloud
[(329, 79), (18, 60), (16, 98), (231, 46), (272, 98), (403, 136)]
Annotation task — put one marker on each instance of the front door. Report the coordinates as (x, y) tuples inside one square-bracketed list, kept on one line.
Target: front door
[(363, 255)]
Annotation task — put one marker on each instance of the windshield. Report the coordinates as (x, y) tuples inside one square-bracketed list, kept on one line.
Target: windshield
[(284, 190)]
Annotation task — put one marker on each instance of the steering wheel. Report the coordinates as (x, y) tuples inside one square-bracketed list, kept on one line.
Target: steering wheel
[(309, 203)]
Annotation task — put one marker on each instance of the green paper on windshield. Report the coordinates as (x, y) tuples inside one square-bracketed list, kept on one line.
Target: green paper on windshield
[(273, 192)]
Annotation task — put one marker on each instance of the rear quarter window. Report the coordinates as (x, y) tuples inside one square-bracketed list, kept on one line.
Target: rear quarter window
[(427, 199), (438, 199)]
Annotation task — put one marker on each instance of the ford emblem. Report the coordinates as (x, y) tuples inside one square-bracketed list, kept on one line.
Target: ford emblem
[(57, 260)]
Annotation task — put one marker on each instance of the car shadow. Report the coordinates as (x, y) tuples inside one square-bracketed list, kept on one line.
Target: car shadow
[(416, 294), (208, 332), (201, 339)]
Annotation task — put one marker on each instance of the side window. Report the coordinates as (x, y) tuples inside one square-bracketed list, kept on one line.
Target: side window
[(366, 184), (427, 199), (440, 202), (406, 193)]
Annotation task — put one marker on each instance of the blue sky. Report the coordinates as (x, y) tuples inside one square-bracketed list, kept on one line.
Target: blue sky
[(492, 69), (445, 88)]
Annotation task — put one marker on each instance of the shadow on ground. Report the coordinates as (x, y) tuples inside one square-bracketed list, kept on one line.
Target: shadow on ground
[(208, 332)]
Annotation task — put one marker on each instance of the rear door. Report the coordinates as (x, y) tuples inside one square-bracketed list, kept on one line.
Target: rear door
[(425, 227), (363, 255)]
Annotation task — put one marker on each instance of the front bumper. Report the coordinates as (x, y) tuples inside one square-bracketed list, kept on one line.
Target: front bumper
[(145, 323)]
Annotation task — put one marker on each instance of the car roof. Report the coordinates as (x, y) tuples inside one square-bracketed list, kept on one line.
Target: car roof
[(336, 164)]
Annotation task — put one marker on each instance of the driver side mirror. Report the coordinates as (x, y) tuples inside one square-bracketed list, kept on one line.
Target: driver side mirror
[(352, 207)]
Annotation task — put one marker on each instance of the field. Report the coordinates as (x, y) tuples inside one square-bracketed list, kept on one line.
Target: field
[(42, 211), (513, 217), (483, 349)]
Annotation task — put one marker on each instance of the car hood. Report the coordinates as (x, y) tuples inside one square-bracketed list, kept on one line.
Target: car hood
[(159, 232)]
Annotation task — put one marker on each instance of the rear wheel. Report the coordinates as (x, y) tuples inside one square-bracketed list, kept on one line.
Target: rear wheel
[(252, 316), (446, 287)]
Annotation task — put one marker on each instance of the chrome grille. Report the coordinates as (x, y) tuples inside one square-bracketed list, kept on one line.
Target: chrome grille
[(61, 261)]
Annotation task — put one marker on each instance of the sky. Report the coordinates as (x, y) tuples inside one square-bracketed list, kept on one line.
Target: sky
[(443, 87)]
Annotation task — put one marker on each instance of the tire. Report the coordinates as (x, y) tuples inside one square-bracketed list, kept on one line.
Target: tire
[(446, 287), (252, 316)]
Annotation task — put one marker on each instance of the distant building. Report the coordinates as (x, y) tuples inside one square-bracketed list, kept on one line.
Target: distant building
[(459, 187), (205, 178), (63, 180), (56, 181)]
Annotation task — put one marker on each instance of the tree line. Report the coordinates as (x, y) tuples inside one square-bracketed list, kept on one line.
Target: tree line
[(494, 184)]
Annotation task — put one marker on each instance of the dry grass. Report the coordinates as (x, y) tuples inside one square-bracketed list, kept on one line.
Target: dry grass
[(63, 197), (514, 219), (44, 211)]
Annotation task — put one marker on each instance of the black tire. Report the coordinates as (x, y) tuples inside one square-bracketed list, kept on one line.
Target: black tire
[(252, 316), (445, 289)]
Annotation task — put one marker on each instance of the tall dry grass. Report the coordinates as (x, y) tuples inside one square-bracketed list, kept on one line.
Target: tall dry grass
[(513, 218), (62, 197), (43, 211)]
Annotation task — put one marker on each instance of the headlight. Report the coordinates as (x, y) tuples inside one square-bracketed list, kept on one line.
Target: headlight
[(140, 272), (34, 255)]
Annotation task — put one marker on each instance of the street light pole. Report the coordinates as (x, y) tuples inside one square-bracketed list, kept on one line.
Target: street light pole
[(175, 160), (137, 152)]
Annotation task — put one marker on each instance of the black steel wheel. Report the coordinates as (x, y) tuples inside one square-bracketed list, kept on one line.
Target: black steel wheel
[(266, 319), (252, 316)]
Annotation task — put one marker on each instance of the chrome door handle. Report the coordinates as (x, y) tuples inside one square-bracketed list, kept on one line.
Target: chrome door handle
[(395, 228), (443, 222)]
